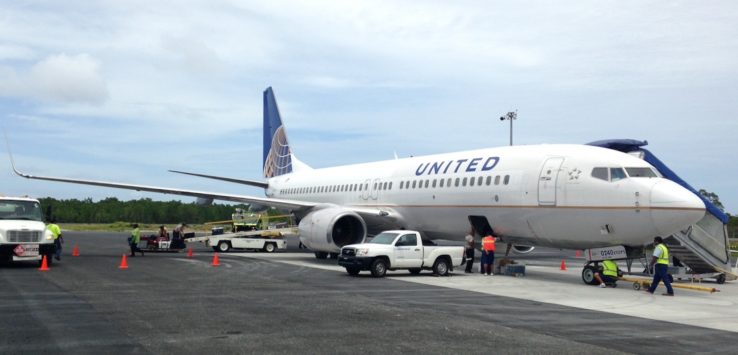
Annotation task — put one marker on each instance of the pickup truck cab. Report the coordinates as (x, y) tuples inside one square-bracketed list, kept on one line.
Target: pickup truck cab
[(399, 249)]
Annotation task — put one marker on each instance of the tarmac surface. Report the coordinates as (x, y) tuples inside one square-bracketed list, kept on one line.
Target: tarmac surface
[(289, 302)]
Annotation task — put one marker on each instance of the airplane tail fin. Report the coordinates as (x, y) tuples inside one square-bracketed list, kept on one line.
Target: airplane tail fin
[(277, 152)]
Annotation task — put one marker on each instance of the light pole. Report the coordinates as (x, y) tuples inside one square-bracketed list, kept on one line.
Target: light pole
[(510, 116)]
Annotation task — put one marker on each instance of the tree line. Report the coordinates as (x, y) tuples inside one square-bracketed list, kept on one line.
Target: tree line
[(145, 210)]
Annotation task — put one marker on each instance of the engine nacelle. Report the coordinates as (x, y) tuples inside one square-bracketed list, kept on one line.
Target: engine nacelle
[(328, 229), (523, 249)]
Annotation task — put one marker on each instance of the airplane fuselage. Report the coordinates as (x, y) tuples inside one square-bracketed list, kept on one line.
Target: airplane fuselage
[(548, 195)]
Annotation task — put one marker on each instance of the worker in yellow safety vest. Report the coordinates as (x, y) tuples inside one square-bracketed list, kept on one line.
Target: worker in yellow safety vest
[(58, 239), (609, 274), (134, 239), (660, 260), (488, 254)]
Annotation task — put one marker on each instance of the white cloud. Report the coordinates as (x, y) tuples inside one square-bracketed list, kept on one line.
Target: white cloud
[(57, 78)]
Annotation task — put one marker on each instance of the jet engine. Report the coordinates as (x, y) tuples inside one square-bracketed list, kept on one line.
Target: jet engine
[(523, 249), (327, 230)]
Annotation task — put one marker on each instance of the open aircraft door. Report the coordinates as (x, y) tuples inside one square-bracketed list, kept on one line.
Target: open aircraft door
[(547, 181)]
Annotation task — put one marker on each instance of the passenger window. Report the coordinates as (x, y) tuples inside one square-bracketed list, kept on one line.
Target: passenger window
[(489, 180), (448, 183), (497, 180), (414, 183), (479, 181), (390, 186), (434, 183), (507, 180), (471, 182), (427, 182), (441, 182), (384, 186), (463, 182), (402, 183), (457, 182), (616, 174)]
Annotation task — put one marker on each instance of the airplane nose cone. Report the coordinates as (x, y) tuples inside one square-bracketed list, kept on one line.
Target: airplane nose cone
[(673, 207)]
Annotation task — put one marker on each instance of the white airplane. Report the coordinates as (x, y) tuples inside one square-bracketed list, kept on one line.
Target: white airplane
[(560, 195)]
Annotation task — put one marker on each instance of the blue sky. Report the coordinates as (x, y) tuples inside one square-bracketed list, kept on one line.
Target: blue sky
[(123, 91)]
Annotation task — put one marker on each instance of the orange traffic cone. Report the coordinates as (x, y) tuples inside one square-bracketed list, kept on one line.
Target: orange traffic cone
[(216, 262), (75, 251), (189, 252), (578, 254), (563, 264), (44, 265), (123, 263)]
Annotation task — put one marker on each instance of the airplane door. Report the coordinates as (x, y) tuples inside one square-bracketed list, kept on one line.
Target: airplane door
[(365, 192), (375, 189), (547, 181)]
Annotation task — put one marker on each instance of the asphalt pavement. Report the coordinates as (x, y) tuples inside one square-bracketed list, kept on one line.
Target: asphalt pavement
[(167, 303)]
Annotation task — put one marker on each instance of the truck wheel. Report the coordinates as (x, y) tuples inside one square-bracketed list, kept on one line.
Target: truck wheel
[(353, 271), (321, 255), (440, 267), (224, 246), (415, 271), (379, 268), (269, 247)]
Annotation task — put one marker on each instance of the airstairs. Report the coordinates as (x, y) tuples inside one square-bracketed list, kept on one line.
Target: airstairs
[(702, 247)]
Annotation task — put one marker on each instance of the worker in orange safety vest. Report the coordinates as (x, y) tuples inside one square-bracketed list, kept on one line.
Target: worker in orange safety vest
[(488, 254)]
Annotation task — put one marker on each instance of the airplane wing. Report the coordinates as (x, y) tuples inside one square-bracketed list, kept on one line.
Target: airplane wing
[(279, 203), (261, 184)]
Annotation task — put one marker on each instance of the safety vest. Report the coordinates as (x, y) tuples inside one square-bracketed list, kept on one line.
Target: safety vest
[(488, 243), (664, 258), (609, 268), (135, 236), (54, 229)]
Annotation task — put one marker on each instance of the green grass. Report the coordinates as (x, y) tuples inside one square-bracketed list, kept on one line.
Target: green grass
[(125, 227)]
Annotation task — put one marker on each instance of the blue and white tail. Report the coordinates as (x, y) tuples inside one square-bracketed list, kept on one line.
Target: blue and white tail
[(278, 158)]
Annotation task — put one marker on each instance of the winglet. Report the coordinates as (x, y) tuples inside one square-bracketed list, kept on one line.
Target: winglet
[(10, 155)]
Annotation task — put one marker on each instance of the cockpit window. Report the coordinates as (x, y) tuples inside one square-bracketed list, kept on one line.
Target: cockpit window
[(617, 174), (600, 173), (641, 172)]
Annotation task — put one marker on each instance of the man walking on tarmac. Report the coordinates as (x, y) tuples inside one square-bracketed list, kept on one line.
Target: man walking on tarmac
[(469, 251), (488, 254), (660, 260), (135, 238), (58, 239)]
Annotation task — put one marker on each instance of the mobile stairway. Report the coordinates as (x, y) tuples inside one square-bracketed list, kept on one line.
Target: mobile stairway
[(702, 247)]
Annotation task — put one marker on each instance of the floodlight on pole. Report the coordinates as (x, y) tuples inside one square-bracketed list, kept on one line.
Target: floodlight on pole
[(512, 115)]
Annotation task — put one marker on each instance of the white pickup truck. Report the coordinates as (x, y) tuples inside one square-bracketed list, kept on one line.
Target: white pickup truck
[(399, 249)]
